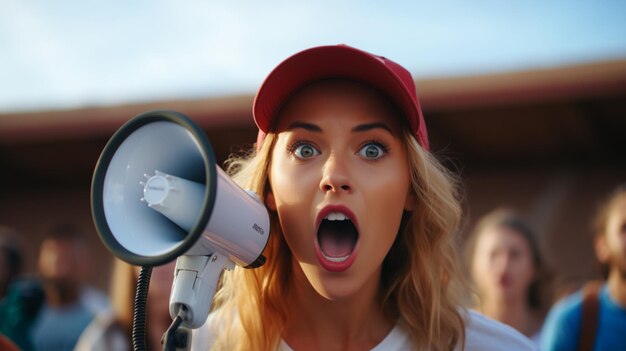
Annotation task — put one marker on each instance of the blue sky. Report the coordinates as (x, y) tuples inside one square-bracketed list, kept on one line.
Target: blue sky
[(70, 53)]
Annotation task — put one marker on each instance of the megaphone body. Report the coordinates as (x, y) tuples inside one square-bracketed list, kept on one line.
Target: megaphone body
[(157, 195)]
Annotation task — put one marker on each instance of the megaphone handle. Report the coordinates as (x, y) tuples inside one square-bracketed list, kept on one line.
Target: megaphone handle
[(176, 338), (195, 281)]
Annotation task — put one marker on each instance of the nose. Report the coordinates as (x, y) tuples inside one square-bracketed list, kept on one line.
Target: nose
[(335, 177)]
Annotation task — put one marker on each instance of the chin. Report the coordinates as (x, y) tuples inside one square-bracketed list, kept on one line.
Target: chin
[(335, 293), (332, 287)]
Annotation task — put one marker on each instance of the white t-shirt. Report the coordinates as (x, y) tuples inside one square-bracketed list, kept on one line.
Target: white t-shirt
[(481, 334), (397, 339)]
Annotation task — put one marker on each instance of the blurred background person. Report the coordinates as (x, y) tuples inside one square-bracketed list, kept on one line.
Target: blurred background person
[(594, 318), (10, 259), (20, 298), (112, 330), (506, 267), (69, 305)]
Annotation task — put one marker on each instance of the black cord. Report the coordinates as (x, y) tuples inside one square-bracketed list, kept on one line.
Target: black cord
[(139, 316), (174, 337)]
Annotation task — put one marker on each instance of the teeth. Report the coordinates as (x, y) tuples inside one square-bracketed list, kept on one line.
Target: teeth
[(336, 259), (336, 216)]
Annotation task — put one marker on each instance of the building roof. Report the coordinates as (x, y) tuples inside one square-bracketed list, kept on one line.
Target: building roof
[(574, 114)]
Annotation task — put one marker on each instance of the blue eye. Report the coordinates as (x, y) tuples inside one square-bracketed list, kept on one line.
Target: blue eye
[(372, 151), (304, 151)]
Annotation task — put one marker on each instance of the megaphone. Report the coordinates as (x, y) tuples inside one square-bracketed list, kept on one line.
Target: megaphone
[(158, 195)]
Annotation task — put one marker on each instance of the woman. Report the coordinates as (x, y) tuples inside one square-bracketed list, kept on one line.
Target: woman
[(506, 267), (361, 247)]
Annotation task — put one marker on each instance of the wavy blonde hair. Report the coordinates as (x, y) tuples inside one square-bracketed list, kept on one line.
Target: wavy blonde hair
[(421, 277)]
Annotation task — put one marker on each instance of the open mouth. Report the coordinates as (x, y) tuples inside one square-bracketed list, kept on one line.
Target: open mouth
[(337, 237)]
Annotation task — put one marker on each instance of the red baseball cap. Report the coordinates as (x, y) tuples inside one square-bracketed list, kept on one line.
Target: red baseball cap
[(338, 61)]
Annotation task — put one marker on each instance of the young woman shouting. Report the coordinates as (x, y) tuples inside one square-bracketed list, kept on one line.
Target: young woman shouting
[(361, 254)]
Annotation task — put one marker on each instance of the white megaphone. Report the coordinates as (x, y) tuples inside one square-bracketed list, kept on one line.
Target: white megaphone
[(158, 195)]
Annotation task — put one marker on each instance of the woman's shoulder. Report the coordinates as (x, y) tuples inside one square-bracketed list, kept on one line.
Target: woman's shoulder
[(483, 333)]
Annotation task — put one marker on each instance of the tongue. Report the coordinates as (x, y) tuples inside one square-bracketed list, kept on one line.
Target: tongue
[(336, 238)]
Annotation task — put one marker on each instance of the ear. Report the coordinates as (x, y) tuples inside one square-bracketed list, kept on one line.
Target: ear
[(602, 249), (409, 202), (270, 202)]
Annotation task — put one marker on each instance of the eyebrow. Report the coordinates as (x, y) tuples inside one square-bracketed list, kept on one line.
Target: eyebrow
[(306, 126), (359, 128), (370, 126)]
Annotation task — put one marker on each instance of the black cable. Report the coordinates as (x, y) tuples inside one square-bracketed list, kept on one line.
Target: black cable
[(139, 316), (174, 337)]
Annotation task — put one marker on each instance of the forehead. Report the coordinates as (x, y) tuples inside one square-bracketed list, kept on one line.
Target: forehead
[(502, 235), (333, 98)]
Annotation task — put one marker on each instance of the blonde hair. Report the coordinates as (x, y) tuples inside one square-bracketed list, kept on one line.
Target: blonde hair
[(421, 278)]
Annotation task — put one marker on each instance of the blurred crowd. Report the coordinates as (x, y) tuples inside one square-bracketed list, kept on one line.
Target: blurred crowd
[(513, 285), (56, 309)]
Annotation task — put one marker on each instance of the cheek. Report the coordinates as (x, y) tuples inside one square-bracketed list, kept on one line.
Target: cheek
[(527, 270), (522, 272), (384, 202), (615, 232), (616, 241), (292, 195), (290, 183), (481, 269), (479, 266), (293, 223), (291, 189), (482, 256), (385, 193), (385, 209)]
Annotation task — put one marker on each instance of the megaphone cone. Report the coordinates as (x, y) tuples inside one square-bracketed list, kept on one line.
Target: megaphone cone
[(157, 193)]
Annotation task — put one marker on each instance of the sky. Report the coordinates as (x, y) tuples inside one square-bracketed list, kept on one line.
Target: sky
[(70, 53)]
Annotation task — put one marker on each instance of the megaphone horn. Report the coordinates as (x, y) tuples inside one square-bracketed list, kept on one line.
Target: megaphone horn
[(157, 193)]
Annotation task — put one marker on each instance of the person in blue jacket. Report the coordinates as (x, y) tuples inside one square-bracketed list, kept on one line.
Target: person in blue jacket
[(595, 319)]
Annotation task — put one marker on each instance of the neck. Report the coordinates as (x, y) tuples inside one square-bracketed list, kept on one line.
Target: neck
[(352, 322), (617, 286), (514, 312)]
